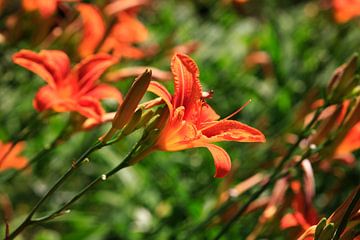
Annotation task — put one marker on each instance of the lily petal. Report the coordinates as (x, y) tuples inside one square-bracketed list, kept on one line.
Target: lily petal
[(351, 142), (29, 5), (12, 158), (221, 160), (103, 91), (186, 79), (230, 130), (129, 29), (162, 92), (119, 6), (91, 122), (51, 65), (127, 51), (46, 98), (47, 7), (91, 108), (91, 68), (207, 114), (94, 29)]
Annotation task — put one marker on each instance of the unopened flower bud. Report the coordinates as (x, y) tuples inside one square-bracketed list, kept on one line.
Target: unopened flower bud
[(327, 126), (356, 91), (155, 126), (162, 115), (152, 123), (354, 116), (145, 118), (343, 80), (132, 125), (339, 213), (328, 232), (319, 228), (131, 101)]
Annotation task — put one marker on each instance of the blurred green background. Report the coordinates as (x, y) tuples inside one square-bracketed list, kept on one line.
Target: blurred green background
[(167, 194)]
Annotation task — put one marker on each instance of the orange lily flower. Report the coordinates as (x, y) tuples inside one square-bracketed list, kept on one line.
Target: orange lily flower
[(126, 32), (69, 90), (46, 7), (304, 215), (9, 156), (344, 10), (192, 122)]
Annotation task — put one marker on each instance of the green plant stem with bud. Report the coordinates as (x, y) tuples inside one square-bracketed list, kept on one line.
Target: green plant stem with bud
[(274, 176), (28, 220), (125, 163), (132, 158)]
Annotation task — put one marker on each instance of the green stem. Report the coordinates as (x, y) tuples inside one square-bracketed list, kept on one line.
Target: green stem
[(128, 161), (28, 220), (94, 183), (273, 176)]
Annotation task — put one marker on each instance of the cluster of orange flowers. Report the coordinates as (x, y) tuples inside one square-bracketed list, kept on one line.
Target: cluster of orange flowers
[(189, 121)]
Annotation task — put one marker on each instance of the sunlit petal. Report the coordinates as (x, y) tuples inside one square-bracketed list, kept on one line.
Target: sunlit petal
[(221, 159), (94, 29), (50, 65), (186, 79), (90, 69), (161, 91), (230, 130), (103, 91)]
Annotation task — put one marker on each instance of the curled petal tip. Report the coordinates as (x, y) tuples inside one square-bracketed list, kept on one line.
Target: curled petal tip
[(221, 160), (262, 138)]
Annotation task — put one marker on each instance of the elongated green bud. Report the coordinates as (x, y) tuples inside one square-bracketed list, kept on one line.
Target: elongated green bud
[(131, 126), (328, 232), (343, 80), (319, 228), (126, 110), (164, 116), (152, 123), (145, 118), (158, 122)]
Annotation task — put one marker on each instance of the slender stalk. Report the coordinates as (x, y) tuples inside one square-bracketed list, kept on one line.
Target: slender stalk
[(28, 220), (347, 214), (128, 161), (273, 176), (91, 185)]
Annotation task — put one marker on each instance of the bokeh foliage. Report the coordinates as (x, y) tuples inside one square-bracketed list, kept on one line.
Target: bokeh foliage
[(169, 193)]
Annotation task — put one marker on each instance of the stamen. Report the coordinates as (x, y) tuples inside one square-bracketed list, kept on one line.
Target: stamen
[(237, 111), (230, 116)]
